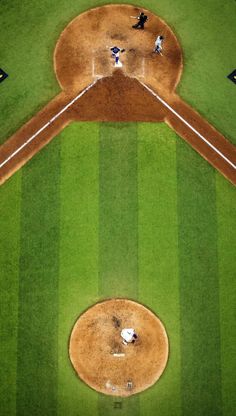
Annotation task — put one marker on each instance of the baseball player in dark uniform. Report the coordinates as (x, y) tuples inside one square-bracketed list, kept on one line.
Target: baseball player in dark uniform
[(142, 18)]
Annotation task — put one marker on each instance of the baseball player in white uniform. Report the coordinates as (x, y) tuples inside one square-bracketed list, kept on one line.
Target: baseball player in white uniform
[(129, 336), (158, 44)]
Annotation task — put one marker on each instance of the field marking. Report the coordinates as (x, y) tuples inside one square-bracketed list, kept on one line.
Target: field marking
[(88, 88), (47, 124), (143, 68), (94, 75), (189, 125), (93, 67)]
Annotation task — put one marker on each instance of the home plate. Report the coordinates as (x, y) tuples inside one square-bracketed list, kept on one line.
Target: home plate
[(118, 64)]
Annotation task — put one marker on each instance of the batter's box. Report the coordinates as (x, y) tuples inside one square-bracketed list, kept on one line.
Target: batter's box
[(135, 65), (101, 64)]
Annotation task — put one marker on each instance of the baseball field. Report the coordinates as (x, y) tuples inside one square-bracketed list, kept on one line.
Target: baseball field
[(117, 209)]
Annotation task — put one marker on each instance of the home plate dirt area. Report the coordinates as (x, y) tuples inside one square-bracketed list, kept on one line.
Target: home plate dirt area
[(94, 90), (104, 362)]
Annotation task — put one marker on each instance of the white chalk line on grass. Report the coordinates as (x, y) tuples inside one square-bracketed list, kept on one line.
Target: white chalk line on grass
[(82, 93), (31, 138), (189, 125)]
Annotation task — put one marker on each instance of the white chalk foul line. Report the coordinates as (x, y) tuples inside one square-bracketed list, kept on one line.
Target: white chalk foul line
[(189, 125), (31, 138)]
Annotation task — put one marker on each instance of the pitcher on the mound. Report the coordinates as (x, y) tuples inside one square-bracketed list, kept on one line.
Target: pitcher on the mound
[(129, 336)]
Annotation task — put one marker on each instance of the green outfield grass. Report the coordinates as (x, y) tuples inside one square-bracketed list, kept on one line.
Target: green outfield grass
[(117, 210), (112, 209)]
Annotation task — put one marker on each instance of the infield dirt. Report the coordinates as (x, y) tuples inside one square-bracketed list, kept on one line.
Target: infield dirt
[(82, 57), (101, 359)]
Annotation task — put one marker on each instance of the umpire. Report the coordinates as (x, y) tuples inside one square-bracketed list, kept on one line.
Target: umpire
[(142, 18)]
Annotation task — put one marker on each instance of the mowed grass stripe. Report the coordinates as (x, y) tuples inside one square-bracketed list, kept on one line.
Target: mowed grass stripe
[(226, 215), (118, 227), (78, 277), (199, 285), (10, 202), (118, 205), (38, 285), (158, 256)]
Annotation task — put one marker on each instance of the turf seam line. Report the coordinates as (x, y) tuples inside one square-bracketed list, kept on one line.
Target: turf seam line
[(47, 124), (189, 125)]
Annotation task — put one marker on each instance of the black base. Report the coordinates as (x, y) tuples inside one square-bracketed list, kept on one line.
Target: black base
[(3, 75), (232, 76)]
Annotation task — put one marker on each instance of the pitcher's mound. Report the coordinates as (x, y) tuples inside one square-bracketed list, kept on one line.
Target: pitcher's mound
[(102, 360)]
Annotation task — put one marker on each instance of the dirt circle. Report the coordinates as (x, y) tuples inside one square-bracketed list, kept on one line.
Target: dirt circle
[(101, 359), (83, 54)]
